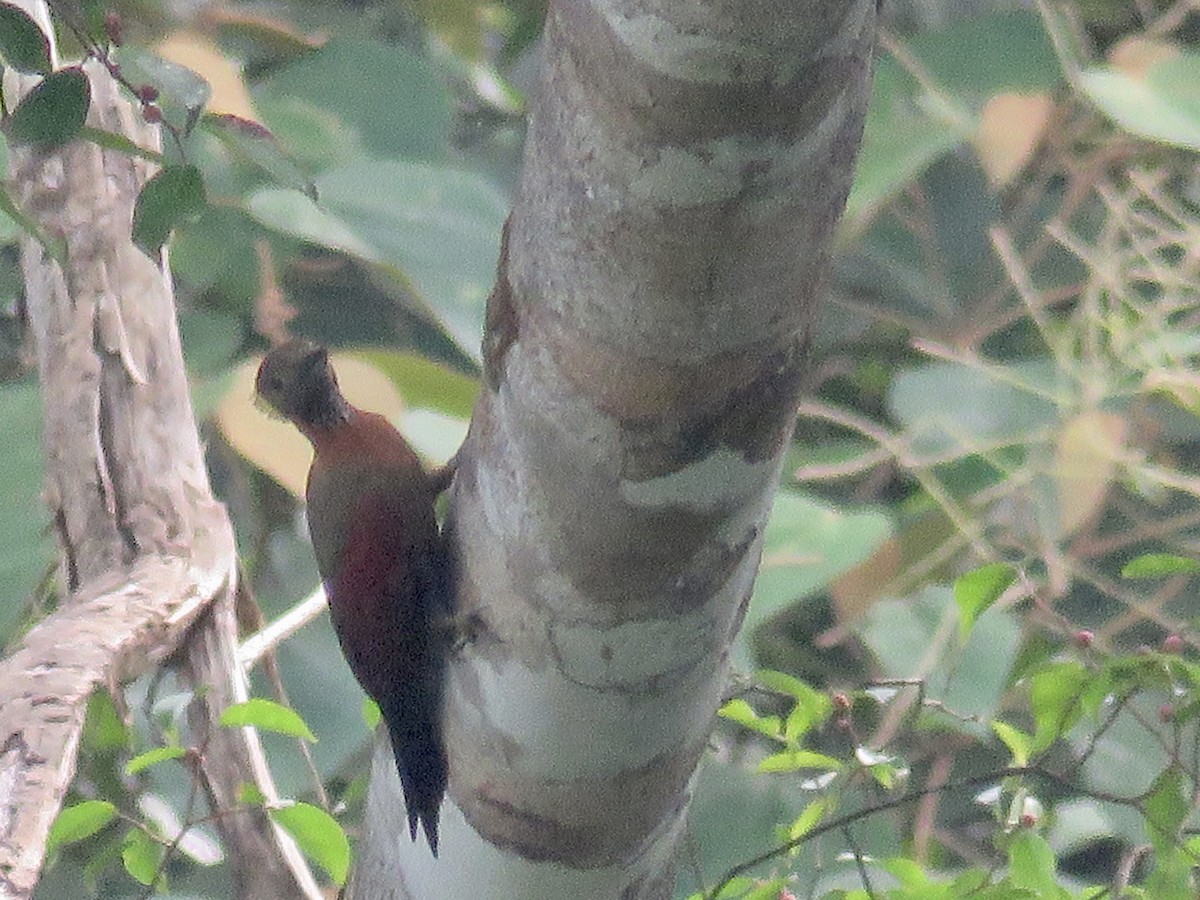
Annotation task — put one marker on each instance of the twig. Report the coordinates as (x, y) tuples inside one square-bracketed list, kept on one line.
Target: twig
[(896, 803)]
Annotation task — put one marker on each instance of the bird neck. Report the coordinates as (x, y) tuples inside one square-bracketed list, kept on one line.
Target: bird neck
[(326, 411)]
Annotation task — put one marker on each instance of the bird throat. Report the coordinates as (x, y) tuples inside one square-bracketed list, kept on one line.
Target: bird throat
[(325, 408)]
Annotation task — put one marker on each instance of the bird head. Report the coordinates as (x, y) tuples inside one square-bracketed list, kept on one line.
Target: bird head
[(297, 380)]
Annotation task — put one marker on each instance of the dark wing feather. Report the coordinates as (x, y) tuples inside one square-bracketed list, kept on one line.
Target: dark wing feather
[(385, 589)]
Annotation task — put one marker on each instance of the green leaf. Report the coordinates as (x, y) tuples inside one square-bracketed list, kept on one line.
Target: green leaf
[(1055, 694), (743, 713), (1031, 864), (371, 713), (794, 760), (80, 821), (248, 794), (767, 890), (424, 383), (53, 112), (433, 233), (258, 145), (110, 140), (812, 707), (22, 44), (976, 591), (1019, 743), (319, 837), (1166, 806), (1163, 106), (808, 819), (182, 93), (908, 127), (142, 856), (258, 712), (990, 405), (410, 119), (808, 544), (172, 197), (144, 761), (970, 680), (1159, 565)]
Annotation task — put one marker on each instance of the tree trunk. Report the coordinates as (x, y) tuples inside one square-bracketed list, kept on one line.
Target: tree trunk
[(685, 167), (148, 563)]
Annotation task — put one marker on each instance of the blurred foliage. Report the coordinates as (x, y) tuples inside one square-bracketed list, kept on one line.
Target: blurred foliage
[(979, 577)]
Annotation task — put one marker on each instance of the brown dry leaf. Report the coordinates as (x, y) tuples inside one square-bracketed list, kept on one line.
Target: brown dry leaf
[(230, 96), (1136, 54), (1010, 129), (1089, 450), (275, 446)]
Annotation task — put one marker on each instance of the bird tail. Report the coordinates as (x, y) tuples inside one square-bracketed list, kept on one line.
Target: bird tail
[(421, 761)]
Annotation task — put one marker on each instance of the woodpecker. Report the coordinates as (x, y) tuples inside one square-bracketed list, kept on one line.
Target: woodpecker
[(382, 559)]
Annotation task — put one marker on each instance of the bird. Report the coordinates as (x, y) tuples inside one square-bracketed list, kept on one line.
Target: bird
[(382, 559)]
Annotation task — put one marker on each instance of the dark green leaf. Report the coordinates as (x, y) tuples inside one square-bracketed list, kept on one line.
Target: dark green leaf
[(144, 761), (170, 198), (141, 856), (268, 715), (110, 140), (53, 112), (319, 836), (257, 144), (1159, 565), (80, 821), (22, 43), (976, 591), (432, 231)]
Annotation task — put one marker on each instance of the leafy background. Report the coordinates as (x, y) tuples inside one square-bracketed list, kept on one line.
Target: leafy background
[(1004, 373)]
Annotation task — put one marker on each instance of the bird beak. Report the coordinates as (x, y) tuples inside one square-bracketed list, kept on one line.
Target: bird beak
[(261, 404)]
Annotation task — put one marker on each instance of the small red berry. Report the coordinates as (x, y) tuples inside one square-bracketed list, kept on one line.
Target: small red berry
[(1083, 638), (113, 27), (147, 93), (1172, 643), (152, 113), (1166, 712), (1028, 820)]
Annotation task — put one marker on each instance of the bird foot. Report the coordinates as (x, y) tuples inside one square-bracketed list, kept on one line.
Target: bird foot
[(440, 478)]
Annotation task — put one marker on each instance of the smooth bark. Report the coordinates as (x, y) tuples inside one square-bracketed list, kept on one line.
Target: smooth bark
[(685, 167)]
